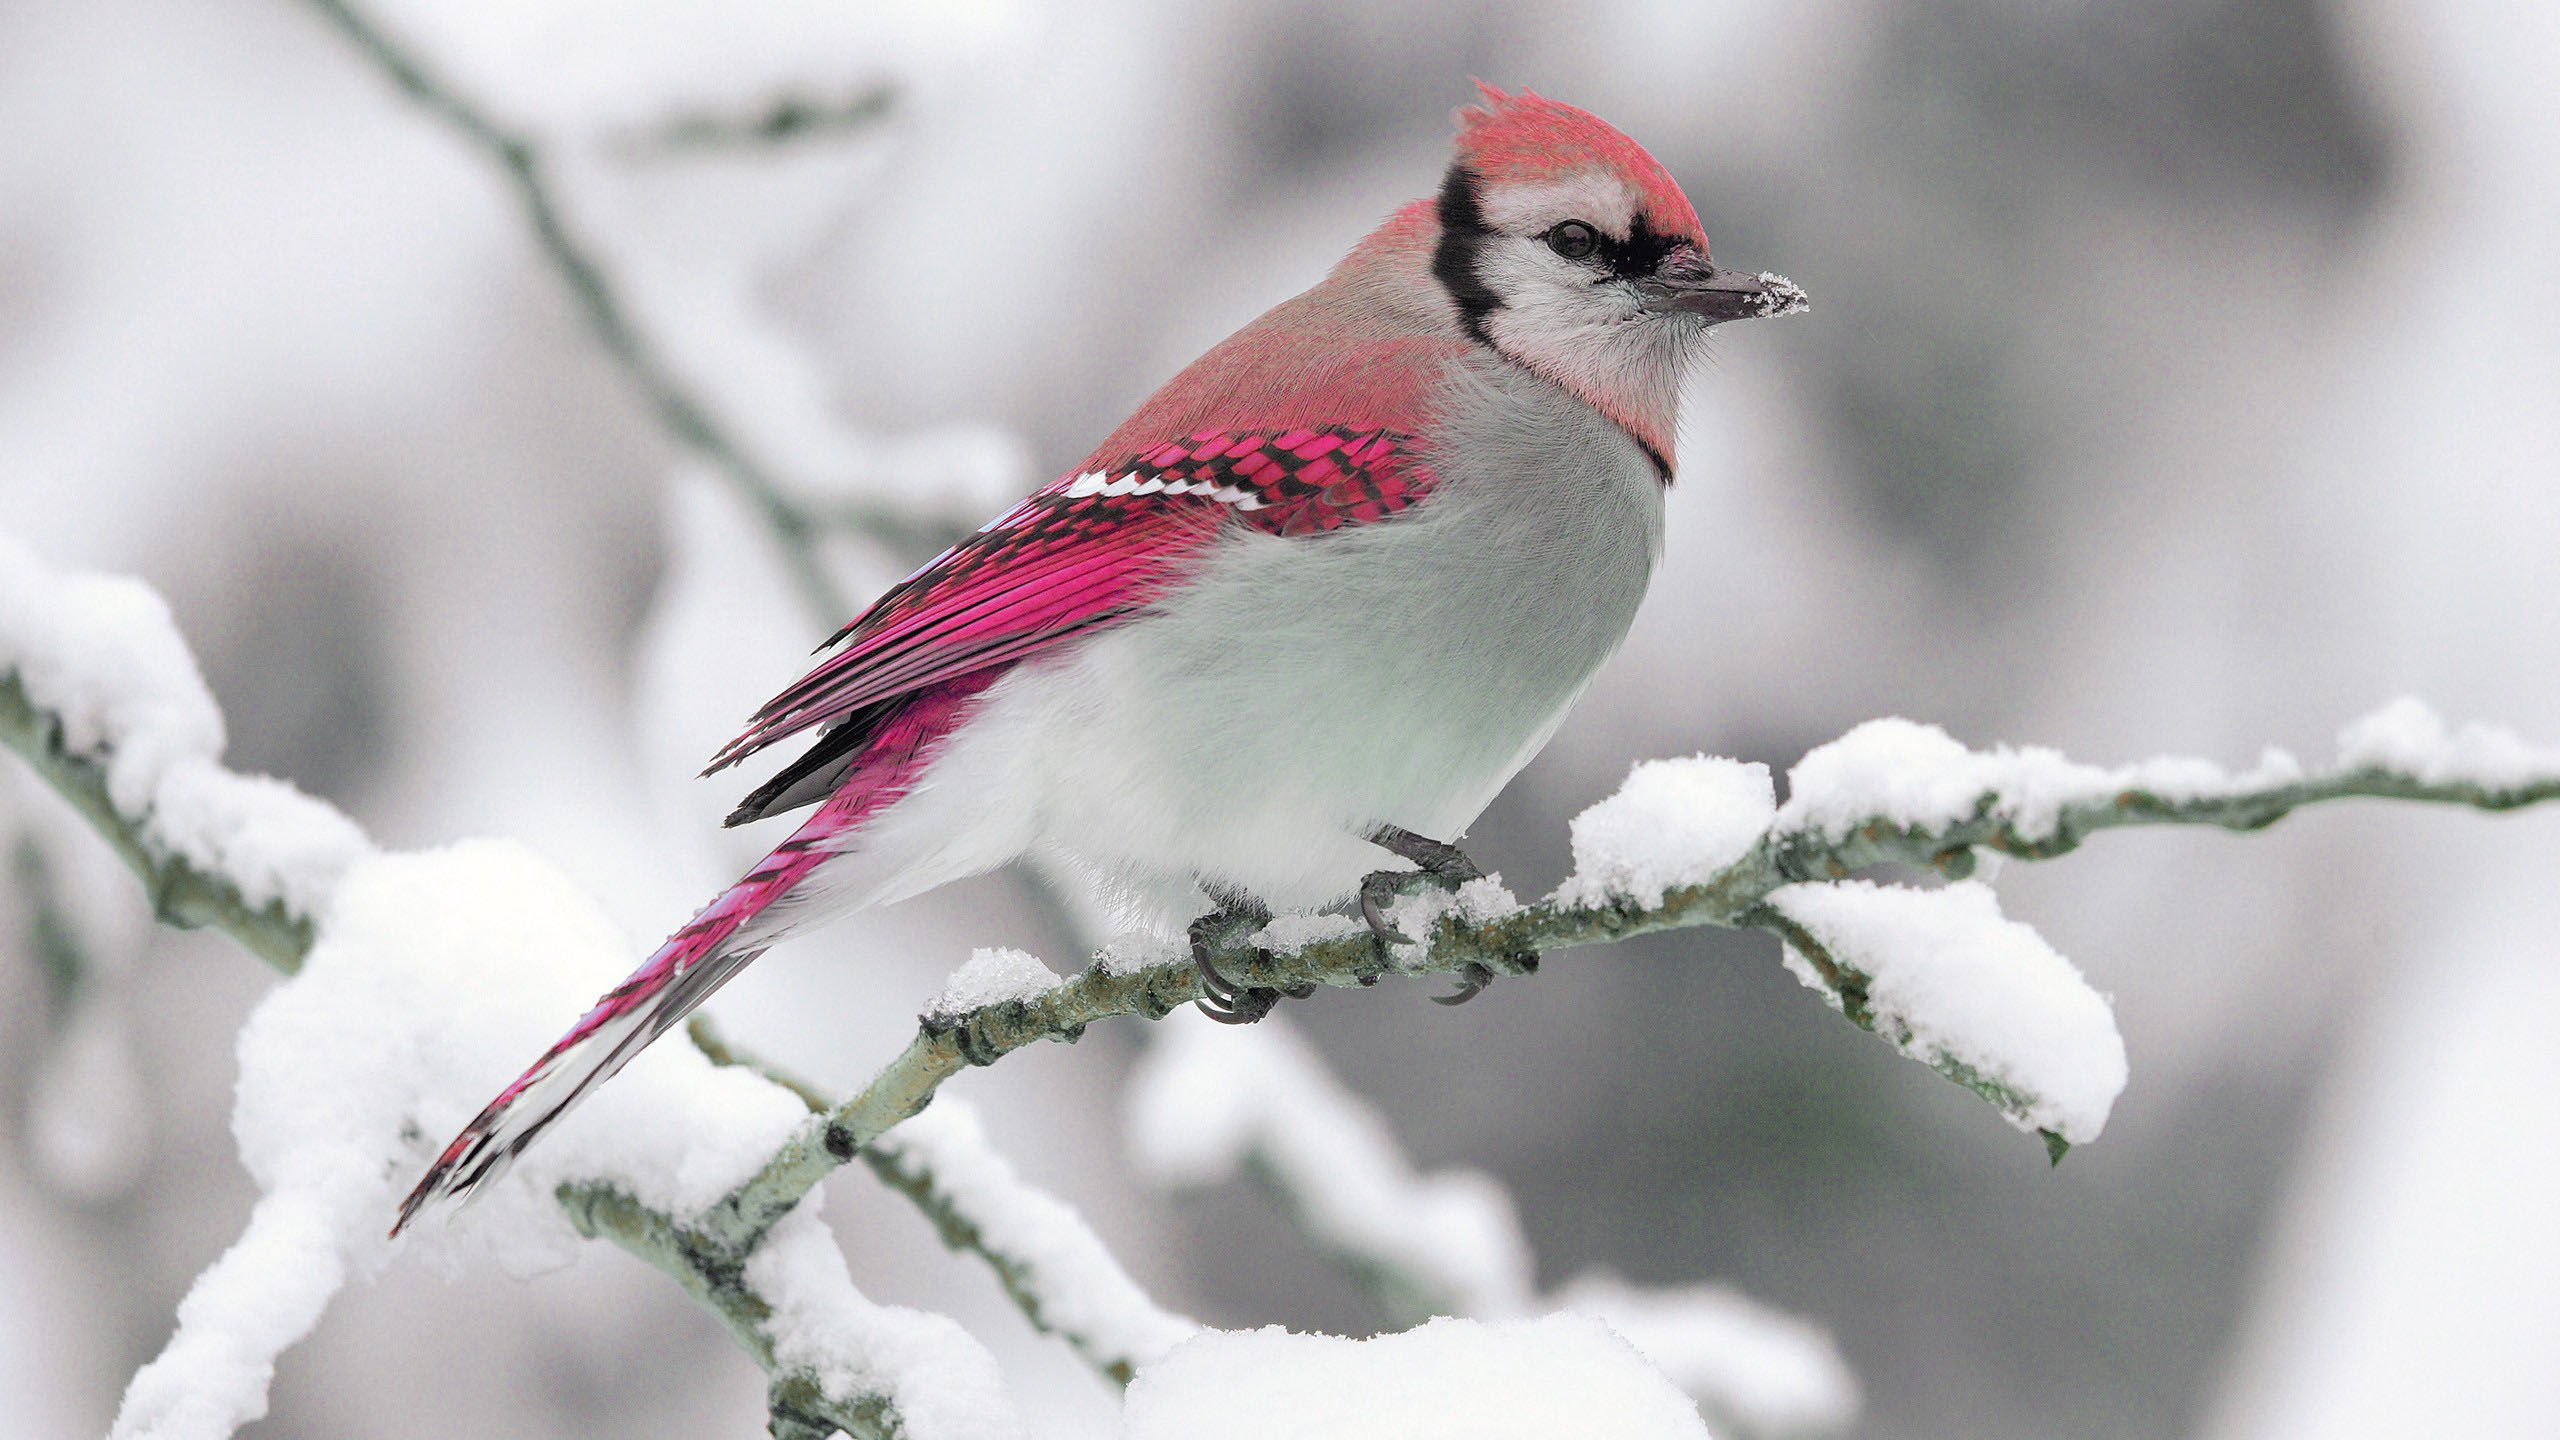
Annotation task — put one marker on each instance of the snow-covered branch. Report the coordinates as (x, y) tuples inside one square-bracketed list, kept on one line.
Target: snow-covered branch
[(100, 696), (1698, 842), (388, 1025)]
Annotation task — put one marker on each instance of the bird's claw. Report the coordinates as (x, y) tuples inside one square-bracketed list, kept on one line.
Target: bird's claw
[(1471, 983), (1233, 1004), (1378, 889)]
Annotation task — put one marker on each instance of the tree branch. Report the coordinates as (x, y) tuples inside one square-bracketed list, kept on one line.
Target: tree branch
[(980, 1207), (709, 1270), (181, 894), (689, 419), (1735, 896)]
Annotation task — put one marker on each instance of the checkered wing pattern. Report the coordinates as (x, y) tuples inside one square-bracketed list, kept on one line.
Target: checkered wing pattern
[(1088, 551)]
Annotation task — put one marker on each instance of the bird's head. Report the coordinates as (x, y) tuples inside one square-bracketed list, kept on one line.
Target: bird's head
[(1573, 252)]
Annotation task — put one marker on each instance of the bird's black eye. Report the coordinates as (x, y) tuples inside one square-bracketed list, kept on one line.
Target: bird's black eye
[(1574, 240)]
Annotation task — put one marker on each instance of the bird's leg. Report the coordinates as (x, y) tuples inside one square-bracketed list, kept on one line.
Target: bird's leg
[(1439, 863), (1438, 859), (1236, 917)]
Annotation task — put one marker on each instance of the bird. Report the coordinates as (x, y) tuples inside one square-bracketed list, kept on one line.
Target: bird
[(1311, 606)]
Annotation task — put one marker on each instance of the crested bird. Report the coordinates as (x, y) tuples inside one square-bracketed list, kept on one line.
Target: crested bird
[(1312, 605)]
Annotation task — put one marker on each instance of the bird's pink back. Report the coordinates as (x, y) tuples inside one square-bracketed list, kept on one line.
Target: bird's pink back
[(1365, 349)]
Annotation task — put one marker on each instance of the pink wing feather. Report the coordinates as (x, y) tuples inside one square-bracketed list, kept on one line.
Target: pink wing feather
[(1091, 550)]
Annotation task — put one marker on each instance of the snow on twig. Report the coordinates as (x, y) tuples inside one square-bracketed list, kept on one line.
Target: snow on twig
[(103, 699), (1049, 1261), (1755, 1368), (1948, 980)]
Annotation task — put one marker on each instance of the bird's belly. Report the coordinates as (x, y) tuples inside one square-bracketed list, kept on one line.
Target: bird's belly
[(1301, 692)]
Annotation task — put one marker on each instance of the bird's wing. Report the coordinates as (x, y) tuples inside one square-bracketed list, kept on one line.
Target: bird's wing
[(1089, 551)]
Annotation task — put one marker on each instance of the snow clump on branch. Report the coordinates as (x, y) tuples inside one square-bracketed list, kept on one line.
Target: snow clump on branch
[(100, 653), (1674, 823), (992, 976), (1954, 984)]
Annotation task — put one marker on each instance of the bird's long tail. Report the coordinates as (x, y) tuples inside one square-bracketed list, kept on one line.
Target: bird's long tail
[(719, 942), (722, 940)]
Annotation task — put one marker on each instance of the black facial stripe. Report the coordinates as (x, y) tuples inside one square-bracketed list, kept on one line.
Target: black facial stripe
[(1637, 256), (1462, 234)]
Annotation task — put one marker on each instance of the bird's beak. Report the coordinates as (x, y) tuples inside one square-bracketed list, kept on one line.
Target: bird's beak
[(1697, 286)]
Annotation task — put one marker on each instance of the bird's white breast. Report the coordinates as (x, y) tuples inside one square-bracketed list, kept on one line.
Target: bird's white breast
[(1296, 693)]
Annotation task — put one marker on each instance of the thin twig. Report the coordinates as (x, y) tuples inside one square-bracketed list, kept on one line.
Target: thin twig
[(686, 417), (792, 118), (963, 1229)]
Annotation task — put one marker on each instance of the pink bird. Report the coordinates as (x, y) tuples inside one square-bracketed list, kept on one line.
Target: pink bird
[(1318, 600)]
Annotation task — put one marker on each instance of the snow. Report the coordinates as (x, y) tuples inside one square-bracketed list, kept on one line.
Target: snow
[(1446, 1380), (1783, 296), (944, 1383), (1296, 932), (1955, 984), (1674, 823), (1917, 777), (1768, 1372), (2406, 737), (1083, 1292), (993, 976), (1208, 1097), (271, 841), (437, 977), (101, 654), (1131, 952), (1483, 900)]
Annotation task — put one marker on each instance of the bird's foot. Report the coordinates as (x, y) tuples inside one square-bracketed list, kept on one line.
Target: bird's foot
[(1222, 929), (1437, 863)]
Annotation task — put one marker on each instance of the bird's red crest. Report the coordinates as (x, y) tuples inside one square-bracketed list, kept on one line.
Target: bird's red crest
[(1529, 137)]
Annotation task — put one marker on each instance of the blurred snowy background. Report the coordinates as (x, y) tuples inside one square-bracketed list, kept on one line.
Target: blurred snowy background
[(2183, 376)]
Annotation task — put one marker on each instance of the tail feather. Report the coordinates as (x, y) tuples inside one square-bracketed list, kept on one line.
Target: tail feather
[(729, 933), (695, 961)]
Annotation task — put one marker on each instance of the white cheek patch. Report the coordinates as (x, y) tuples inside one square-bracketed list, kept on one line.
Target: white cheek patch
[(1543, 289), (1528, 207)]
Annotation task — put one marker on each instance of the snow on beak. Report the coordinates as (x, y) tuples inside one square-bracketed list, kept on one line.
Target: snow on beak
[(1692, 283)]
